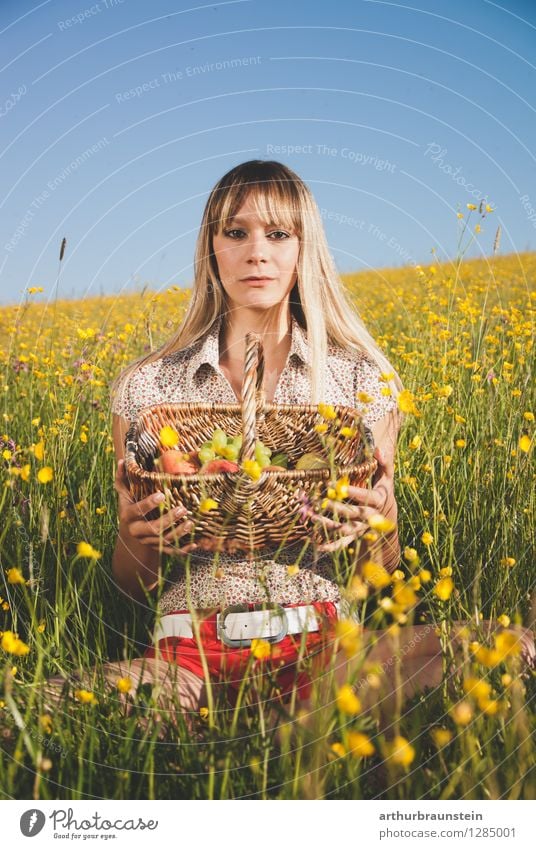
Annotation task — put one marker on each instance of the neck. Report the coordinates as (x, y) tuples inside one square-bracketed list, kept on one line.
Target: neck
[(276, 333)]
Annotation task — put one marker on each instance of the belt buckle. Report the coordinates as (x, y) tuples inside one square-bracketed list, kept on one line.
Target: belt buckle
[(245, 608)]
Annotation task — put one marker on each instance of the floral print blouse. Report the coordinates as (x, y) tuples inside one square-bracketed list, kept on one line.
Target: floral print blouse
[(194, 375)]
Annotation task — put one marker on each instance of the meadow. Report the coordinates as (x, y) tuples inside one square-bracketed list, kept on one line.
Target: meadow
[(461, 335)]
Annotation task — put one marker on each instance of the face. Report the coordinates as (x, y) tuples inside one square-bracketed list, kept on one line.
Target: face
[(247, 248)]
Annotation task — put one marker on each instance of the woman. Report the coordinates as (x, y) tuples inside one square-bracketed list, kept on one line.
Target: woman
[(262, 264)]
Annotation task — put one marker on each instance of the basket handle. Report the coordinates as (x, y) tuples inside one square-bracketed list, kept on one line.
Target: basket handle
[(253, 396)]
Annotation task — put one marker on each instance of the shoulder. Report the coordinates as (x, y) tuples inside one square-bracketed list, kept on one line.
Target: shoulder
[(147, 384), (373, 397)]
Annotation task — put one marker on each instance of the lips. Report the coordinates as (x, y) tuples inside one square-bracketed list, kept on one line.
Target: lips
[(254, 278)]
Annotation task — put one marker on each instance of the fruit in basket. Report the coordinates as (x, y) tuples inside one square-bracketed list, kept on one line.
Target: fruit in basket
[(311, 461), (280, 459), (175, 462), (206, 453), (219, 465)]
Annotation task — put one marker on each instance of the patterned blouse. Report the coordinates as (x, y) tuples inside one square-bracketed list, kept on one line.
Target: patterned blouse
[(194, 375)]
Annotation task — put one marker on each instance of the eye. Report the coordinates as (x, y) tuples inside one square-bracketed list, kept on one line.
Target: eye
[(229, 232), (280, 233)]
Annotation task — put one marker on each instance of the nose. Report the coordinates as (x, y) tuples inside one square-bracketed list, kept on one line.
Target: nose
[(257, 248)]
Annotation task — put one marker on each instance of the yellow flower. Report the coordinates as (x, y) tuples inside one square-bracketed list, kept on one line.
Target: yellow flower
[(375, 574), (292, 570), (124, 684), (488, 706), (404, 595), (203, 712), (347, 701), (14, 576), (338, 750), (410, 554), (489, 208), (441, 736), (508, 561), (446, 571), (45, 721), (528, 416), (25, 472), (321, 428), (169, 437), (45, 474), (327, 411), (485, 656), (41, 627), (406, 402), (427, 538), (208, 504), (415, 443), (86, 697), (504, 620), (83, 437), (260, 649), (471, 206), (444, 391), (359, 745), (401, 752), (459, 215), (462, 713), (524, 443), (364, 397), (397, 575), (84, 549), (349, 635), (12, 644), (381, 524), (460, 443), (478, 228), (476, 688), (507, 644), (341, 488), (252, 468), (443, 588), (425, 575), (348, 431)]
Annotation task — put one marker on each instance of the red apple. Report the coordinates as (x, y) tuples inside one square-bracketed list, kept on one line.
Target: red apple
[(174, 462), (220, 465)]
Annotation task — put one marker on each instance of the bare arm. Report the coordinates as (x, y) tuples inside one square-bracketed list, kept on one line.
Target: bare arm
[(385, 433), (140, 543)]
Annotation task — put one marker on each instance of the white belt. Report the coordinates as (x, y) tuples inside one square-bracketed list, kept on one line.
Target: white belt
[(238, 625)]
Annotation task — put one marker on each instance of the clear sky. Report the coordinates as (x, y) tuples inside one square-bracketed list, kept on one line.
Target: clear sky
[(118, 116)]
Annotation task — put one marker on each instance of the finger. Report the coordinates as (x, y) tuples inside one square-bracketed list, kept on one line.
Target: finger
[(367, 497), (141, 508), (326, 522), (178, 531), (355, 528), (353, 512), (339, 543)]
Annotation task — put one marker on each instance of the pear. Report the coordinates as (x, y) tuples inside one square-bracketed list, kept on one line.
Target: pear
[(311, 461)]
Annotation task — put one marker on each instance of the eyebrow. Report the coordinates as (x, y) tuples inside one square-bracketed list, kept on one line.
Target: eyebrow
[(240, 220)]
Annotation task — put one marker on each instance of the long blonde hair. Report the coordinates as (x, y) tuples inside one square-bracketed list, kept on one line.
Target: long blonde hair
[(318, 299)]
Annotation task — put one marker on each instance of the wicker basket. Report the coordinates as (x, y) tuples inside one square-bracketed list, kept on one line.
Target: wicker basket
[(251, 515)]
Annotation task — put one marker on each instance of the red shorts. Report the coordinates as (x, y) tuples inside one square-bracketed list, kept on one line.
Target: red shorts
[(230, 665)]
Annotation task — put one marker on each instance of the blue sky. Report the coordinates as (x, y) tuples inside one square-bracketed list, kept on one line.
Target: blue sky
[(118, 116)]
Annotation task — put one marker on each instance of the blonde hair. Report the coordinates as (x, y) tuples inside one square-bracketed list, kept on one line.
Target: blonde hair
[(318, 299)]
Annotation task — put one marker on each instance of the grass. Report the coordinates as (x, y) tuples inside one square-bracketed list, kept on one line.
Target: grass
[(462, 337)]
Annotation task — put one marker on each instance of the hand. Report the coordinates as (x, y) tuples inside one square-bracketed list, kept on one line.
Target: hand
[(159, 534), (367, 502)]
